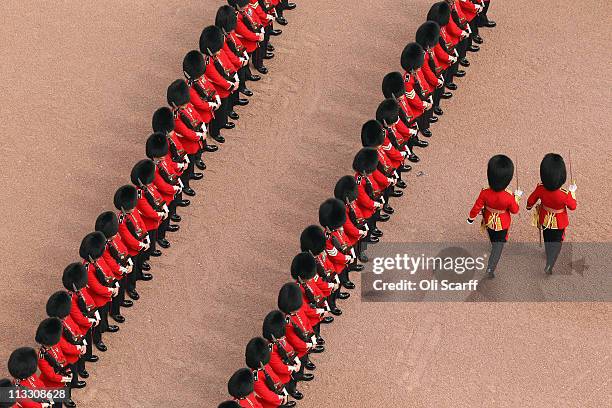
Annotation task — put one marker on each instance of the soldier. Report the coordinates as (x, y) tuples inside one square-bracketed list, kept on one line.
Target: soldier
[(550, 215), (313, 240), (163, 121), (240, 386), (83, 310), (483, 19), (165, 181), (461, 22), (72, 342), (369, 193), (134, 236), (22, 365), (203, 95), (355, 227), (332, 216), (54, 369), (315, 306), (428, 37), (269, 391), (496, 203), (221, 72), (399, 140), (116, 257), (250, 31), (188, 125), (100, 283), (393, 87), (283, 358), (226, 20), (448, 43), (264, 15), (299, 332), (471, 9), (151, 206), (412, 60)]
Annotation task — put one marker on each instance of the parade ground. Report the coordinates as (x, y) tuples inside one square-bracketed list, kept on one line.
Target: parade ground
[(79, 83)]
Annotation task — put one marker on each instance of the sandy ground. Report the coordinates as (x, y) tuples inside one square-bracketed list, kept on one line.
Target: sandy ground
[(78, 86)]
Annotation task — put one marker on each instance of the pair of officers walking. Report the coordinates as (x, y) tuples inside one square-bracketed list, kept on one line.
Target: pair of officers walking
[(549, 200)]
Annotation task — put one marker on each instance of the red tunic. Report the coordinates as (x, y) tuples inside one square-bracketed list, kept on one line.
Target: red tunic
[(337, 258), (351, 231), (248, 28), (365, 202), (101, 294), (117, 247), (310, 311), (79, 316), (552, 213), (131, 241), (189, 138), (282, 370), (266, 397), (430, 74), (48, 376), (468, 8), (498, 205), (177, 152), (300, 320), (70, 351), (149, 215), (204, 104), (326, 264), (165, 179), (32, 383), (442, 57), (222, 85)]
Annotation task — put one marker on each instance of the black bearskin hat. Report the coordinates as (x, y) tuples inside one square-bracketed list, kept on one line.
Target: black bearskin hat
[(143, 172), (440, 13), (332, 213), (303, 266), (92, 246), (372, 133), (194, 65), (290, 298), (211, 40), (499, 172), (428, 34), (49, 331), (163, 120), (238, 3), (240, 384), (226, 18), (387, 111), (108, 224), (6, 383), (75, 276), (553, 172), (23, 362), (59, 304), (229, 404), (313, 239), (257, 351), (393, 85), (178, 93), (274, 325), (125, 198), (366, 160), (412, 57), (346, 189), (157, 145)]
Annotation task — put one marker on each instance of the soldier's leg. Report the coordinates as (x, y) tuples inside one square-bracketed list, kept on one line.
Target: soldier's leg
[(498, 239), (553, 240)]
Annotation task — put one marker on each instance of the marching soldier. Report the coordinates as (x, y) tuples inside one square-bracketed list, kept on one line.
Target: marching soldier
[(116, 257), (134, 236), (283, 358), (240, 386), (55, 371), (550, 215), (496, 204), (72, 343), (313, 240), (269, 391), (163, 122), (314, 303), (250, 31), (188, 125), (83, 310), (355, 227), (221, 72), (299, 332), (101, 285), (226, 20), (412, 60), (22, 365), (450, 36), (165, 181), (428, 37), (151, 206), (203, 95)]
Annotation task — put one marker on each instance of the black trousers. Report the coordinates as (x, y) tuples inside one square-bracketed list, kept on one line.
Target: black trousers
[(89, 346), (498, 240), (423, 120), (482, 18), (116, 302), (242, 74), (553, 240), (136, 275), (449, 74), (462, 47), (437, 96), (220, 119), (153, 239)]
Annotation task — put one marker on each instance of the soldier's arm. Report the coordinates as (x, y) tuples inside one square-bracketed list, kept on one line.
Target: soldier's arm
[(77, 315), (244, 32), (197, 102), (570, 201), (441, 55), (48, 371), (127, 238), (265, 393), (277, 364), (162, 186), (216, 78), (478, 205), (183, 131), (533, 198), (95, 285), (69, 349), (113, 266)]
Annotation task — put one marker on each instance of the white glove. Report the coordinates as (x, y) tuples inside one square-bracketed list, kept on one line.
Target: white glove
[(187, 159), (452, 59), (518, 193), (200, 134), (177, 189), (377, 204), (440, 82), (269, 17), (67, 379), (572, 188), (404, 153)]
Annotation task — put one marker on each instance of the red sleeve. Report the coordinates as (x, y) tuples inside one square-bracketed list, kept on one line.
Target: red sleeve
[(113, 266), (244, 32), (307, 309), (128, 239), (161, 185), (430, 77), (145, 209), (380, 179), (48, 372), (570, 201), (197, 102), (363, 199), (350, 229), (534, 197), (478, 205), (261, 15), (77, 315), (68, 349), (95, 285), (231, 56), (453, 29), (295, 341), (335, 256), (441, 55), (277, 365), (264, 393), (513, 206), (215, 77), (404, 130), (184, 131)]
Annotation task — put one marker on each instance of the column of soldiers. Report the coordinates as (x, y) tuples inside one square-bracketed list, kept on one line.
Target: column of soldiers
[(116, 256)]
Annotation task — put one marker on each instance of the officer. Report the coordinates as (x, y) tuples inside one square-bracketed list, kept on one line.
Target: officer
[(496, 203)]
